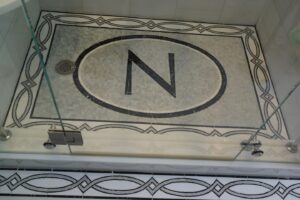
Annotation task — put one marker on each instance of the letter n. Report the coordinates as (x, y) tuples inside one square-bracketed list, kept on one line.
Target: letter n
[(170, 88)]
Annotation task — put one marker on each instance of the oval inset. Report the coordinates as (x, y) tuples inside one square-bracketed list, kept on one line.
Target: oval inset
[(103, 70)]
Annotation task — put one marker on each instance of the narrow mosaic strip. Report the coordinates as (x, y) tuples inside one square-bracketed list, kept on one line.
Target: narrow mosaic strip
[(122, 185)]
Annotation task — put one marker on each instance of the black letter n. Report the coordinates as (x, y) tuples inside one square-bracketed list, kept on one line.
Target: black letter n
[(170, 88)]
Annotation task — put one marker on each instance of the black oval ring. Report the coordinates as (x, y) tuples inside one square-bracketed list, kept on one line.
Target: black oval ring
[(144, 114)]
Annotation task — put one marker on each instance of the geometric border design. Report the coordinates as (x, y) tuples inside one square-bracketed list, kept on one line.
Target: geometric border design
[(136, 186), (19, 116)]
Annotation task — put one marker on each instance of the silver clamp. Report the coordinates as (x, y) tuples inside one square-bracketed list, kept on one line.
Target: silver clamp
[(253, 146), (292, 146), (5, 134)]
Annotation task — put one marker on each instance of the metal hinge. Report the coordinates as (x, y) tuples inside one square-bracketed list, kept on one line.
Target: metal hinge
[(67, 137)]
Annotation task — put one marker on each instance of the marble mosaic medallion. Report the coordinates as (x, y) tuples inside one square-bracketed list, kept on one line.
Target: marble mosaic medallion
[(110, 73)]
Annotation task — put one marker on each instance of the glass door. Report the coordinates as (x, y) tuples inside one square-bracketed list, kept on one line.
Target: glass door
[(147, 88), (279, 33), (124, 88), (23, 73)]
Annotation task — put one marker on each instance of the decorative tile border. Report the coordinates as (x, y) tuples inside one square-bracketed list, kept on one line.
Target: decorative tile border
[(147, 186), (25, 94)]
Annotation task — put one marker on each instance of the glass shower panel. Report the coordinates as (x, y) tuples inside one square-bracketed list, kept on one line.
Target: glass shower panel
[(189, 86), (152, 88), (279, 149), (179, 82), (20, 74), (281, 104)]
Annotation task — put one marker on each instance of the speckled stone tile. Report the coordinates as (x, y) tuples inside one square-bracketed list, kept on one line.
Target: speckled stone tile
[(198, 79)]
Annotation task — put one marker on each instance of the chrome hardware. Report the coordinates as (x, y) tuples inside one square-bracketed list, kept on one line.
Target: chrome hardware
[(292, 147), (5, 134), (67, 137), (49, 145), (253, 146)]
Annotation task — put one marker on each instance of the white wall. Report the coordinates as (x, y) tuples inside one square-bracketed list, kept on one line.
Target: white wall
[(14, 42), (218, 11), (282, 55)]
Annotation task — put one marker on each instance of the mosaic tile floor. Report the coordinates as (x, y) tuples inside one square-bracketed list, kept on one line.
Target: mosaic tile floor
[(202, 92), (148, 76)]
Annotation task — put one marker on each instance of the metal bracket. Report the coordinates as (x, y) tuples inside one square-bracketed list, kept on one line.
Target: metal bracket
[(252, 146), (292, 147), (5, 134), (67, 137)]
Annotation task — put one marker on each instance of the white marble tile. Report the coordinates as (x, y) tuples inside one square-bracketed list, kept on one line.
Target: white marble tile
[(282, 6), (196, 15), (106, 7), (18, 35), (62, 5), (8, 78), (268, 23), (1, 41), (18, 39), (159, 9), (203, 10), (242, 11), (292, 117), (6, 21), (208, 5), (291, 19), (34, 10), (7, 63), (263, 36)]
